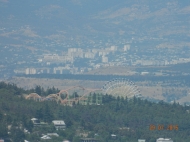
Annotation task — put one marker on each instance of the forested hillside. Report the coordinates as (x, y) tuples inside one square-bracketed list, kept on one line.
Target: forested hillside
[(129, 120)]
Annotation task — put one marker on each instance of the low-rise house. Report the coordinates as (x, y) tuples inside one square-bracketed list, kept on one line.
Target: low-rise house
[(53, 134), (141, 140), (89, 140), (1, 140), (37, 122), (26, 131), (66, 141), (113, 136), (164, 140), (59, 124), (46, 137)]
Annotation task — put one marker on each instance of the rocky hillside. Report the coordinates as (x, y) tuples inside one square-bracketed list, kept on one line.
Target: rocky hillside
[(26, 22)]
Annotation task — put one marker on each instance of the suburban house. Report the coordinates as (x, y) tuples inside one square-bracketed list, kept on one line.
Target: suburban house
[(164, 140), (89, 140), (141, 140), (59, 124), (46, 137), (37, 122)]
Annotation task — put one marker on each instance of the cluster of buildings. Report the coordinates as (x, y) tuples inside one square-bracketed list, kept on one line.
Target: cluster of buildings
[(48, 137), (76, 53), (59, 124), (78, 60), (66, 61), (69, 60)]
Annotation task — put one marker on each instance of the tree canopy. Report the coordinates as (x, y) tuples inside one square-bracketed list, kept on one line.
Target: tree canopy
[(128, 119)]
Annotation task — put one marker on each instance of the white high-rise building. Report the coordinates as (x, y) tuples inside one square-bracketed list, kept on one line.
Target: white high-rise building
[(75, 52), (27, 71), (30, 71), (126, 47)]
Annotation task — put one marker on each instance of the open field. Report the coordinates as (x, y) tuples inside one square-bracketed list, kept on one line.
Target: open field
[(113, 70), (28, 83)]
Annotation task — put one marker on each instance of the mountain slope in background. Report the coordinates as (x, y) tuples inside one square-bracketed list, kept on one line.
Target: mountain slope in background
[(68, 21)]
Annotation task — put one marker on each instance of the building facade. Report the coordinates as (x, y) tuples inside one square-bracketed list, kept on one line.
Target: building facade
[(164, 140), (141, 140), (59, 124)]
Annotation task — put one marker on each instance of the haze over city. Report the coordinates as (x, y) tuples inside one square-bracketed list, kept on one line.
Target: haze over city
[(121, 48)]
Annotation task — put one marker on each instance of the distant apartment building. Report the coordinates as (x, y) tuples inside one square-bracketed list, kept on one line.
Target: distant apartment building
[(30, 71), (61, 70), (113, 48), (89, 55), (94, 51), (19, 71), (46, 70), (164, 140), (147, 63), (104, 59), (50, 57), (75, 52), (126, 47), (56, 58), (103, 53)]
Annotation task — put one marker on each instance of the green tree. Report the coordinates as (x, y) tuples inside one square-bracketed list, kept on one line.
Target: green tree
[(47, 114), (29, 125), (17, 135), (38, 90), (39, 113), (1, 116), (76, 139), (3, 130)]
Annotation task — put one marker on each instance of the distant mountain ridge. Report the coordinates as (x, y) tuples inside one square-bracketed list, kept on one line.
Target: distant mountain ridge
[(84, 20)]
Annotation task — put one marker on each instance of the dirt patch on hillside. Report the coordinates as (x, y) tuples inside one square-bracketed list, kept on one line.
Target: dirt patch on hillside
[(155, 91)]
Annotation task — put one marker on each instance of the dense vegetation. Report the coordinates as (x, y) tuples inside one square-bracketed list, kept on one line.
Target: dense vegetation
[(128, 119)]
